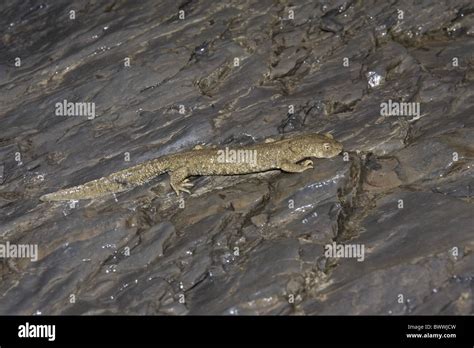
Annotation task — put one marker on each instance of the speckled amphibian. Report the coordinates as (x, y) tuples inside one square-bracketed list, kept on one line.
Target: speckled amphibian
[(290, 155)]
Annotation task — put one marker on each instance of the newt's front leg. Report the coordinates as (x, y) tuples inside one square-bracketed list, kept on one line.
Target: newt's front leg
[(296, 168)]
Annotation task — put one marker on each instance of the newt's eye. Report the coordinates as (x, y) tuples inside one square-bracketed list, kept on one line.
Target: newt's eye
[(326, 146)]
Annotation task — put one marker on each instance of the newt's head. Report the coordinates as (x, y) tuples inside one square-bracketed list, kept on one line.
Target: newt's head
[(320, 146)]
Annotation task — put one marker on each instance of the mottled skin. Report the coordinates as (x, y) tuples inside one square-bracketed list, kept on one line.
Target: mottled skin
[(290, 155)]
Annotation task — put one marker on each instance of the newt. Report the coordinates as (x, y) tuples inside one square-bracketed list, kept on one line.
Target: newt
[(289, 155)]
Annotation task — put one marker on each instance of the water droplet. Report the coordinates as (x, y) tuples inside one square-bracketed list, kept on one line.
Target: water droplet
[(374, 79)]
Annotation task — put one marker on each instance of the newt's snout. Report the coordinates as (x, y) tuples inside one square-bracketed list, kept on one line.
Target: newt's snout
[(338, 148), (331, 148)]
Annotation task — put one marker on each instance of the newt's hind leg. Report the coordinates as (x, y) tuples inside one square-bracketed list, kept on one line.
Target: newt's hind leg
[(178, 180)]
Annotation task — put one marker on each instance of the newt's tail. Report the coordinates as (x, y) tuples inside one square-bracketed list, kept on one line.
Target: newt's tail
[(117, 182)]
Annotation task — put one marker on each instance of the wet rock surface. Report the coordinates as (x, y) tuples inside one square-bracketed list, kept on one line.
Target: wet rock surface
[(235, 73)]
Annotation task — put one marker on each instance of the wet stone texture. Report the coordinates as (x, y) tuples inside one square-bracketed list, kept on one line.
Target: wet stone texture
[(234, 73)]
